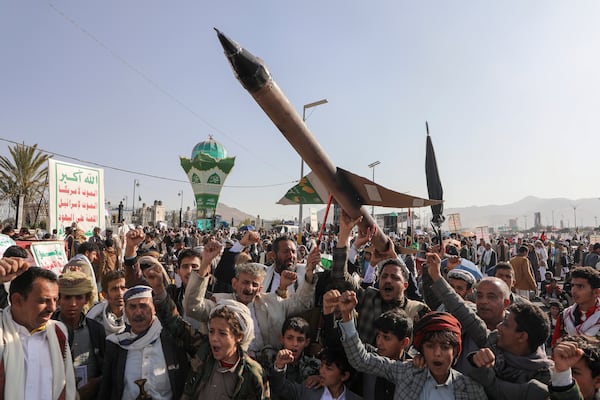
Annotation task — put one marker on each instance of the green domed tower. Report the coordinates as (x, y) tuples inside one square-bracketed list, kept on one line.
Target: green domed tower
[(207, 170), (211, 147)]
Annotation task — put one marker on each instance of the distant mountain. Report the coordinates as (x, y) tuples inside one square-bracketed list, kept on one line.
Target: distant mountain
[(227, 213), (587, 211), (558, 211)]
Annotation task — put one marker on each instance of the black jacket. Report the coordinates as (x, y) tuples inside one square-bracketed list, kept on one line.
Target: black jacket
[(113, 373)]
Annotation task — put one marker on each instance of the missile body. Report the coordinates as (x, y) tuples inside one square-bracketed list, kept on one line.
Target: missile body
[(256, 79)]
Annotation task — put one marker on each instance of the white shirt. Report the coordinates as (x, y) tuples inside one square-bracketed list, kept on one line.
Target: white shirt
[(277, 279), (275, 282), (258, 343), (487, 258), (542, 253), (38, 374), (148, 363), (327, 395)]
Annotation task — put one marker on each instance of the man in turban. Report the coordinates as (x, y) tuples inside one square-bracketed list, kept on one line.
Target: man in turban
[(86, 336), (144, 355)]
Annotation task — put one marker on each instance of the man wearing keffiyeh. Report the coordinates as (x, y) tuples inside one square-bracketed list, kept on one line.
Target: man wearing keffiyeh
[(143, 351), (33, 348)]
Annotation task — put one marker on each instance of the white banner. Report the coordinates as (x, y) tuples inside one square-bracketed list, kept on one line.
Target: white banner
[(454, 225), (49, 255), (314, 222), (483, 232), (76, 196)]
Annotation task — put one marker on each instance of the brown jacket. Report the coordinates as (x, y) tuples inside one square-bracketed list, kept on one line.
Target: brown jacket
[(524, 279)]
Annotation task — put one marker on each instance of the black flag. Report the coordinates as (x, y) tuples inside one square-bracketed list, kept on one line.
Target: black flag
[(434, 184)]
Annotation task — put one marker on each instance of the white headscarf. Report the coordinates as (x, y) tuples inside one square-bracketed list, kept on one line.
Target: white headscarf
[(243, 316)]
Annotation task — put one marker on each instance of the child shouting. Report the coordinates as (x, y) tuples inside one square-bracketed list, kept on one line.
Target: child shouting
[(437, 336)]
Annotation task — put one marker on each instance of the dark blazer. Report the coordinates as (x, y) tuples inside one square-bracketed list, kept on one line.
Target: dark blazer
[(97, 337), (113, 373)]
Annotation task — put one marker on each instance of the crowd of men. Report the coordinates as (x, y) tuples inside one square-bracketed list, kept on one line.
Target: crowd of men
[(180, 314)]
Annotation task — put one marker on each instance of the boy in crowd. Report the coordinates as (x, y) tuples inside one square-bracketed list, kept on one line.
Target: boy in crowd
[(555, 308), (438, 339), (295, 337), (334, 372), (576, 372), (394, 330), (220, 365)]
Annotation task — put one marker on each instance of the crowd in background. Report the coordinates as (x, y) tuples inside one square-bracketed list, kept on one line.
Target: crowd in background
[(256, 314)]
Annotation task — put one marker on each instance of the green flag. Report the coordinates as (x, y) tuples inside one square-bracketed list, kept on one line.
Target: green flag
[(308, 191)]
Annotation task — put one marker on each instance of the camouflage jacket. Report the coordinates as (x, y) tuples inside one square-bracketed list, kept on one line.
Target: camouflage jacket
[(252, 382)]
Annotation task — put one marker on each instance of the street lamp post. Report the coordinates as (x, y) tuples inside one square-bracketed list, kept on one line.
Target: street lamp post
[(373, 165), (304, 108), (575, 216), (180, 193), (136, 183)]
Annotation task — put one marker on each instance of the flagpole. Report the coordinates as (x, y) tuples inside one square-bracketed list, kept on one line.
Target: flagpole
[(325, 219)]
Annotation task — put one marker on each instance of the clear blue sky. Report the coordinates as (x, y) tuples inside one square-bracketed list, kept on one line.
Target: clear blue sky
[(510, 90)]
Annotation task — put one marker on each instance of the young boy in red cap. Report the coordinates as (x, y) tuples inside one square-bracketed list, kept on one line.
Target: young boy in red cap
[(437, 336)]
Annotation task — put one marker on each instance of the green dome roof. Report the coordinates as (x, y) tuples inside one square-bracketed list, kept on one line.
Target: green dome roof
[(210, 147)]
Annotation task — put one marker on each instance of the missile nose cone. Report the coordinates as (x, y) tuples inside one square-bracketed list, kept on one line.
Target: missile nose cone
[(229, 45), (249, 69)]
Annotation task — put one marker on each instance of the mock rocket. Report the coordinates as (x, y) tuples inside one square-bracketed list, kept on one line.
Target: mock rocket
[(350, 191)]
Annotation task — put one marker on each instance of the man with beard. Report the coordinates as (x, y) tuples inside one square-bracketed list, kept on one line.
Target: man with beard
[(86, 336), (285, 259), (143, 352), (110, 311), (508, 361), (269, 310), (393, 281)]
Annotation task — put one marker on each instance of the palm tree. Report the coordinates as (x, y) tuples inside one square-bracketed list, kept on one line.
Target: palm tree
[(23, 176)]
